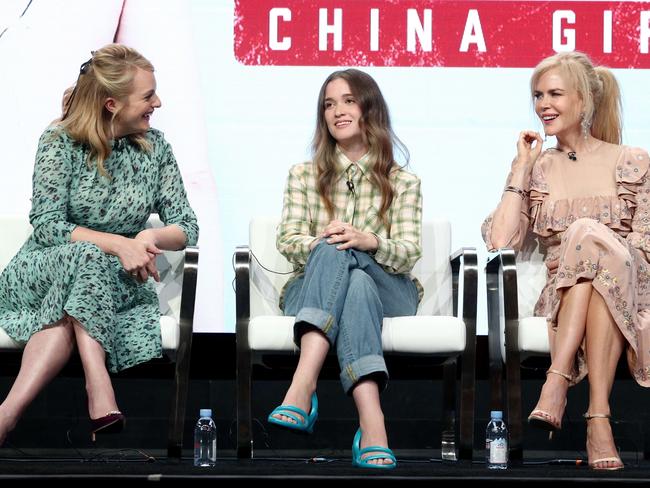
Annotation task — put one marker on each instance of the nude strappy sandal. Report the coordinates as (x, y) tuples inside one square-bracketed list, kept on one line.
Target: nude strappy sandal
[(542, 419), (612, 459)]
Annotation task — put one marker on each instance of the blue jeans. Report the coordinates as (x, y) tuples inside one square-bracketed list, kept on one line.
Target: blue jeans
[(346, 295)]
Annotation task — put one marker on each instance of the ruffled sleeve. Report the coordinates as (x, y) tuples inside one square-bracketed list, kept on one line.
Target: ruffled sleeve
[(633, 183)]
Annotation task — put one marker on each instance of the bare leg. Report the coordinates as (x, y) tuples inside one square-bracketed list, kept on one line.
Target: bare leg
[(604, 345), (371, 417), (313, 350), (570, 333), (45, 354), (101, 397)]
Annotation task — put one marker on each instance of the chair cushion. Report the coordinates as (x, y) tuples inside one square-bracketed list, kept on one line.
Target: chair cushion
[(168, 328), (533, 336), (420, 334)]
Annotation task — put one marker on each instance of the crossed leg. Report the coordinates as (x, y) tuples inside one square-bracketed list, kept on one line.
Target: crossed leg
[(101, 397), (571, 327), (604, 344), (45, 354)]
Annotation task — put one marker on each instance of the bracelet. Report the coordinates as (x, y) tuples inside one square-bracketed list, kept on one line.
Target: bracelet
[(518, 191)]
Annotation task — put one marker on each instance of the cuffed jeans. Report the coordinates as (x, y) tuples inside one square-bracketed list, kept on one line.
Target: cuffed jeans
[(346, 295)]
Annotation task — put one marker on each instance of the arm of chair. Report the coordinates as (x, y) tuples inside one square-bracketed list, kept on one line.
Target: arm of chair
[(242, 296), (501, 282), (502, 301), (183, 353), (464, 262), (188, 296)]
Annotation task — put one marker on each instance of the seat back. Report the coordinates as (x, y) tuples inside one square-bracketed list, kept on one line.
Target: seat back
[(15, 231), (432, 270), (531, 276), (170, 268)]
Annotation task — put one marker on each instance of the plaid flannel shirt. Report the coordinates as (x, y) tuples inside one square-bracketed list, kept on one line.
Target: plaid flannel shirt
[(304, 215)]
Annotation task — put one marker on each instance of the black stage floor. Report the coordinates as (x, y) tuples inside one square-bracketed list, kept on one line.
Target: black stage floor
[(132, 466)]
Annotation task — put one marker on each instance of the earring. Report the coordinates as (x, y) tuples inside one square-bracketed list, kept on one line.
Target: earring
[(585, 125)]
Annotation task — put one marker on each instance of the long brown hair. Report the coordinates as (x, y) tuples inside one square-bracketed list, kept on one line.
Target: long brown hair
[(597, 88), (378, 133), (108, 73)]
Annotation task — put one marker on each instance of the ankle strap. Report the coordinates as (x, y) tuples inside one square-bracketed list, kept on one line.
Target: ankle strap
[(567, 377), (589, 416)]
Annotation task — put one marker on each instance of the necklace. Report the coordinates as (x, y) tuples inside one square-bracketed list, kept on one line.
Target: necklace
[(571, 154)]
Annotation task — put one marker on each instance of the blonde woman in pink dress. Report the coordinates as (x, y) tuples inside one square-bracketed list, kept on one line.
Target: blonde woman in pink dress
[(587, 201)]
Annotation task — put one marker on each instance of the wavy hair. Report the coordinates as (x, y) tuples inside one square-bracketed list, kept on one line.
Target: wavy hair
[(108, 73), (597, 88), (377, 132)]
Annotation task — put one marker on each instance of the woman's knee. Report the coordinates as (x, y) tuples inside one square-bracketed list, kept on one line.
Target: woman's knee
[(588, 231), (325, 251), (581, 227)]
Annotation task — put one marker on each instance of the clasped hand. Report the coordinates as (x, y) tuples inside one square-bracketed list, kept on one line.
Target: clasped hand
[(138, 257), (347, 237)]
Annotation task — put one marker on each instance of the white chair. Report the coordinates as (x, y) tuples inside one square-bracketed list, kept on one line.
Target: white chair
[(176, 290), (514, 282), (442, 328)]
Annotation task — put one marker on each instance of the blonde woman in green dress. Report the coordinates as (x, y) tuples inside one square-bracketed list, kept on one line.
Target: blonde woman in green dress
[(82, 278)]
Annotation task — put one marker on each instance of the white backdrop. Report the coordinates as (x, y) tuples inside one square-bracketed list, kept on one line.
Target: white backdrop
[(459, 124)]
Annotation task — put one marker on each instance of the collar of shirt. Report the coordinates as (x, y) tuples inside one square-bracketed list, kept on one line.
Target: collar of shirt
[(344, 163)]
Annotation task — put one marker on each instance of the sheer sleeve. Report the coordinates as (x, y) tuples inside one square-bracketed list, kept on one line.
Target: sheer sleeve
[(516, 239), (50, 189), (172, 204)]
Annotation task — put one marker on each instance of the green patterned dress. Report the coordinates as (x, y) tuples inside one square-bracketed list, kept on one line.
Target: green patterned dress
[(51, 276)]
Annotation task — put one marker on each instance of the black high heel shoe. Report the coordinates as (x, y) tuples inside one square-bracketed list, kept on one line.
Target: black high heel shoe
[(111, 423)]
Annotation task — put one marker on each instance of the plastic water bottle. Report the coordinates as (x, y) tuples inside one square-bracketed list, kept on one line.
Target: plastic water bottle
[(496, 442), (205, 439)]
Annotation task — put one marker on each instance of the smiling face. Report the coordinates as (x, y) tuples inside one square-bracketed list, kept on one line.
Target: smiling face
[(557, 104), (342, 113), (135, 111)]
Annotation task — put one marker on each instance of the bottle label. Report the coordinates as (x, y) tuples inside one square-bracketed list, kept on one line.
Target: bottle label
[(498, 451)]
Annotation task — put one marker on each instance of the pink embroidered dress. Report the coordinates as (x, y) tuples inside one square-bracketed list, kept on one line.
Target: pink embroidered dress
[(593, 218)]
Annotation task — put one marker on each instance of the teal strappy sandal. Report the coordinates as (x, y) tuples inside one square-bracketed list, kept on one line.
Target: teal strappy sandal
[(304, 423), (380, 453)]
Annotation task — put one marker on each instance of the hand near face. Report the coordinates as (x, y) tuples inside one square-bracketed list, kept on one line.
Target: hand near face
[(348, 237), (529, 146)]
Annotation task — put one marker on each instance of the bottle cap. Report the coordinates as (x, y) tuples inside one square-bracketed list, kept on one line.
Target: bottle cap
[(496, 414), (205, 412)]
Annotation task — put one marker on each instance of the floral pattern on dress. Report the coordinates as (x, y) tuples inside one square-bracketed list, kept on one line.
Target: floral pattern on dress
[(52, 276), (604, 239)]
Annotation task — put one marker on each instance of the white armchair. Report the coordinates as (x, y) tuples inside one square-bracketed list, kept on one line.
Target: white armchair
[(514, 282), (176, 290), (441, 328)]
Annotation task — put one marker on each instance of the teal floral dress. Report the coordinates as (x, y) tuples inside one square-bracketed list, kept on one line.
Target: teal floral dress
[(52, 276)]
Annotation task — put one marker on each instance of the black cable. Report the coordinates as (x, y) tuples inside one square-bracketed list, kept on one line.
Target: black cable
[(261, 265), (20, 17)]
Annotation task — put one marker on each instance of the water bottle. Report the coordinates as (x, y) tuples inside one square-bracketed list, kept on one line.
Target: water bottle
[(205, 439), (496, 442)]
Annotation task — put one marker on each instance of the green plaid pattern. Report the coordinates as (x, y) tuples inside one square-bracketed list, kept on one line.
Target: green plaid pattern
[(304, 215)]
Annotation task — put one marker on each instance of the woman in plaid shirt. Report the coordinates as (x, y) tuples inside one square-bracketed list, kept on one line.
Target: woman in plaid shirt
[(351, 226)]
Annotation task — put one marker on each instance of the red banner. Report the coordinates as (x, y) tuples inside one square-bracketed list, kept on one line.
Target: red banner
[(438, 33)]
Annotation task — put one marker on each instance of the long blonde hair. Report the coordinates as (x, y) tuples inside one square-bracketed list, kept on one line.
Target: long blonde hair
[(375, 123), (597, 88), (108, 73)]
